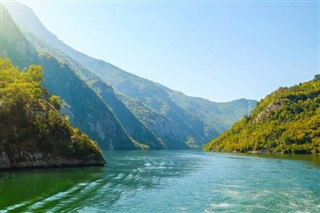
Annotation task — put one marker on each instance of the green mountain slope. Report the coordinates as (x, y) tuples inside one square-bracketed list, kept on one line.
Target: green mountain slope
[(32, 132), (178, 120), (131, 124), (85, 108), (286, 121)]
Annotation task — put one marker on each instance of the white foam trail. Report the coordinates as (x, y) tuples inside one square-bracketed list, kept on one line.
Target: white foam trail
[(220, 205), (119, 176), (86, 187), (57, 196), (10, 208)]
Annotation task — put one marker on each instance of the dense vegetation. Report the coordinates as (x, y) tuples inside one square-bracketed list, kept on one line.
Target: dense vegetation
[(286, 121), (30, 118)]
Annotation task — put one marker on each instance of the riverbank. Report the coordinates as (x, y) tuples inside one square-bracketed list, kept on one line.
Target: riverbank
[(32, 160)]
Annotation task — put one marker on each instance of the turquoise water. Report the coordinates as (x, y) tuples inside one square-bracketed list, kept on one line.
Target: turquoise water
[(170, 181)]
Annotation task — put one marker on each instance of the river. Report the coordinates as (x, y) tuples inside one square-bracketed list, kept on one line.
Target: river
[(169, 181)]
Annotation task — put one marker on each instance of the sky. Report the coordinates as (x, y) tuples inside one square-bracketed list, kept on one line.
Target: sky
[(219, 50)]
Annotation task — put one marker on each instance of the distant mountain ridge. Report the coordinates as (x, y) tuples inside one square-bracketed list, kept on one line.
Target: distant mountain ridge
[(159, 116)]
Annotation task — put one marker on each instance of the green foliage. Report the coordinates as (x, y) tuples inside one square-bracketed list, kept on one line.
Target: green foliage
[(286, 121), (18, 87), (55, 101), (28, 121)]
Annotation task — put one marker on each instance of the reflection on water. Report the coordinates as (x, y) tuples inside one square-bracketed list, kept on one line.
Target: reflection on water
[(21, 188), (312, 159), (170, 181)]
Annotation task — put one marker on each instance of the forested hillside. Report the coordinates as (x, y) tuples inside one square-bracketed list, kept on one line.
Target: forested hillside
[(32, 131), (286, 121)]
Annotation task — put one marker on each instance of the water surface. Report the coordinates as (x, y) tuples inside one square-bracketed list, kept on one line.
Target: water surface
[(170, 181)]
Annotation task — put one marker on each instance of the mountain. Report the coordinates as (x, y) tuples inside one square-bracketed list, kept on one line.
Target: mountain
[(131, 124), (170, 118), (32, 132), (85, 108), (286, 121)]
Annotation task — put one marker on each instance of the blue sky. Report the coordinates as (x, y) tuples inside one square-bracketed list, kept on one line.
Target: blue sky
[(217, 50)]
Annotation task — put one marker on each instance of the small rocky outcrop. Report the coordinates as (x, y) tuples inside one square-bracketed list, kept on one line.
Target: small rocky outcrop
[(25, 159), (271, 107)]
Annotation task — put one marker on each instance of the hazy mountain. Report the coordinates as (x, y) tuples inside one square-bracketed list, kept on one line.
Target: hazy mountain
[(177, 120), (13, 43), (132, 125), (286, 121)]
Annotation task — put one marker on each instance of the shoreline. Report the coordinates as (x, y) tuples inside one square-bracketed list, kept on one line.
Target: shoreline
[(65, 166)]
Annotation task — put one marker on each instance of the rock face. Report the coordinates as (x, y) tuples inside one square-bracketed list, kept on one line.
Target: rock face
[(24, 159), (271, 107), (4, 161)]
